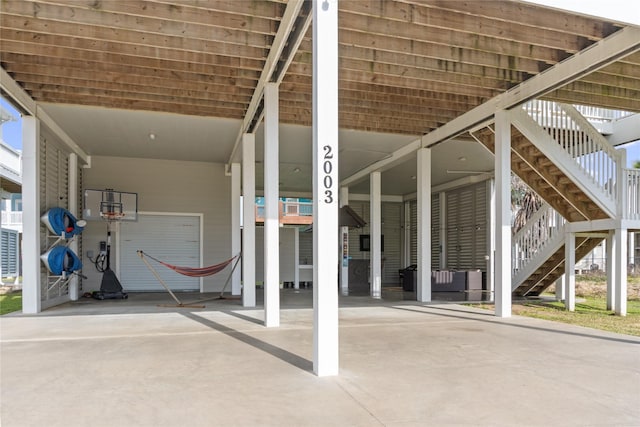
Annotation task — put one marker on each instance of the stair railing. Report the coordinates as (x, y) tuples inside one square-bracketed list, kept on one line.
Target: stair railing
[(540, 231), (593, 154), (632, 193)]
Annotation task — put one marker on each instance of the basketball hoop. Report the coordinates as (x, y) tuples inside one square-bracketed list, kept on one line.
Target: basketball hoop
[(110, 205), (112, 216)]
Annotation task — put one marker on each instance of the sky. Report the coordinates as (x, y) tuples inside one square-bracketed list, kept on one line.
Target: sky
[(12, 131), (619, 10)]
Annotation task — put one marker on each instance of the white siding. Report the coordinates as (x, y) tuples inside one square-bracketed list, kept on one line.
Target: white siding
[(306, 248), (392, 232), (465, 228), (392, 217), (435, 231)]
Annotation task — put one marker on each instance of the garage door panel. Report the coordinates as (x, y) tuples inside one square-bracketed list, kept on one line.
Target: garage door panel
[(174, 239)]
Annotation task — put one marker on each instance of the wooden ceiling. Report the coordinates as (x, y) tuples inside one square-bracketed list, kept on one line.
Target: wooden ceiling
[(406, 67)]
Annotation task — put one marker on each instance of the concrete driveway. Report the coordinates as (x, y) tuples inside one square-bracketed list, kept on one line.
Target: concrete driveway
[(131, 363)]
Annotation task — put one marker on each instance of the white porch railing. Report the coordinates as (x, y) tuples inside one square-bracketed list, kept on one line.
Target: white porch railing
[(632, 193), (294, 207), (602, 118), (590, 151), (542, 230), (11, 218)]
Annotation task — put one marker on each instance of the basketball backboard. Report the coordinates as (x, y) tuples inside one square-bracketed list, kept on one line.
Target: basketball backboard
[(110, 205)]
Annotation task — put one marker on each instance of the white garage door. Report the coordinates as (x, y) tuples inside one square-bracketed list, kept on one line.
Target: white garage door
[(174, 239)]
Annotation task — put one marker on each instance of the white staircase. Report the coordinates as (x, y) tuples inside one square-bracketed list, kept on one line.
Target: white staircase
[(576, 148), (541, 237), (580, 175)]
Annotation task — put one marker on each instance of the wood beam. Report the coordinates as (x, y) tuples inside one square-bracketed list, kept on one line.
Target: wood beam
[(196, 62), (43, 92), (109, 44), (195, 81), (54, 84), (135, 104), (445, 35), (165, 70), (533, 15), (430, 63), (434, 19), (147, 15), (442, 52), (274, 59), (101, 27)]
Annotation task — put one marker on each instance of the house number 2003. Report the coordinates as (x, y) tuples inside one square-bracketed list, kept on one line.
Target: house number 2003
[(327, 168)]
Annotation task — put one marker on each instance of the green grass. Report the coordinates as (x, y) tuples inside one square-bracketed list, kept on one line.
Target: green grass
[(10, 302), (590, 313)]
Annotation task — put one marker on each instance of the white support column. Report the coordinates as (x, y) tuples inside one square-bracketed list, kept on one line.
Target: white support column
[(31, 291), (236, 179), (271, 205), (375, 230), (423, 282), (491, 240), (570, 270), (620, 267), (344, 239), (325, 188), (561, 288), (503, 214), (611, 271), (249, 220), (296, 260), (73, 208)]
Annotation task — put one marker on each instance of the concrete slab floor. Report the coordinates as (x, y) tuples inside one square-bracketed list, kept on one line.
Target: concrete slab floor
[(131, 363)]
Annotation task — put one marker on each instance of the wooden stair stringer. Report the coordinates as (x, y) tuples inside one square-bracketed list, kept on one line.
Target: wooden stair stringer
[(553, 267)]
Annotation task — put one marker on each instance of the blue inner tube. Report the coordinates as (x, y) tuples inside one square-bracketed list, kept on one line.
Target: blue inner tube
[(60, 220), (61, 259)]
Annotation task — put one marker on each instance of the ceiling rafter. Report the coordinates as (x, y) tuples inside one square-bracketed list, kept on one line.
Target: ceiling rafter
[(246, 43), (616, 46), (188, 61), (161, 17), (27, 63), (432, 19), (441, 52), (455, 39), (532, 15)]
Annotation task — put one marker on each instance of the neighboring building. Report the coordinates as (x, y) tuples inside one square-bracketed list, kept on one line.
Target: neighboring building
[(11, 204)]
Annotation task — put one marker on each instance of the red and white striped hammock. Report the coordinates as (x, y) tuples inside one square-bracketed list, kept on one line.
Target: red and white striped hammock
[(192, 271)]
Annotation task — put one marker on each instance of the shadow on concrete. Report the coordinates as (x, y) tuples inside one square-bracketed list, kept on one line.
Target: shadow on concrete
[(282, 354), (496, 321), (244, 317)]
